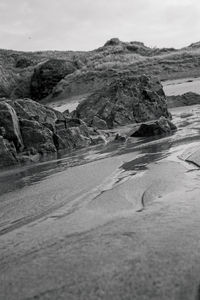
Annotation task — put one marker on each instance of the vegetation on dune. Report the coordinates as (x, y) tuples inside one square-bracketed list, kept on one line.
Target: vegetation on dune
[(17, 69)]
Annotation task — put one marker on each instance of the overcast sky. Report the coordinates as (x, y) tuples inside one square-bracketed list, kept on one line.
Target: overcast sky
[(87, 24)]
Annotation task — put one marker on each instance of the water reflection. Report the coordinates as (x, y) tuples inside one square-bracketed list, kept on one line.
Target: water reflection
[(153, 153), (20, 177), (147, 150)]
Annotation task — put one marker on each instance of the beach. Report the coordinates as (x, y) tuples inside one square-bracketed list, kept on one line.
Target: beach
[(105, 223)]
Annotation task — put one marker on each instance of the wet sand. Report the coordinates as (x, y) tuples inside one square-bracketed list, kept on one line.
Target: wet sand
[(124, 225)]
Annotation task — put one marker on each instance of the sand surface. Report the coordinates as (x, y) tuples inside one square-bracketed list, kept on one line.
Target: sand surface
[(181, 86), (123, 224)]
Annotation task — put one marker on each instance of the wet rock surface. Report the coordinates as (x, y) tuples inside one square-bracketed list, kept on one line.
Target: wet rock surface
[(9, 121), (28, 128), (8, 154), (126, 100), (162, 126)]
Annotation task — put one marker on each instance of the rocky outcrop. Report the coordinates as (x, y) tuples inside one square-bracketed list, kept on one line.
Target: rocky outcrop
[(128, 99), (29, 129), (47, 75), (8, 154), (183, 100), (36, 135), (29, 109), (84, 82), (160, 127), (9, 121), (99, 123)]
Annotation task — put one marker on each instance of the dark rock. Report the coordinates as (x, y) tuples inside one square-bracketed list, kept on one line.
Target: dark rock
[(37, 136), (9, 121), (183, 100), (126, 100), (23, 158), (119, 138), (47, 75), (31, 110), (41, 130), (71, 138), (73, 122), (98, 139), (85, 82), (99, 123), (8, 155), (159, 127), (66, 113)]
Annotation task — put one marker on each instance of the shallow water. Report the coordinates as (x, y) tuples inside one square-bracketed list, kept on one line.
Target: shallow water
[(31, 192), (111, 222)]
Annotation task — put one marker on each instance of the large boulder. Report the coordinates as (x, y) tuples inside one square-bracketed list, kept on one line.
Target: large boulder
[(152, 128), (40, 130), (128, 99), (9, 121), (37, 136), (84, 82), (47, 75), (75, 134), (72, 138), (32, 110)]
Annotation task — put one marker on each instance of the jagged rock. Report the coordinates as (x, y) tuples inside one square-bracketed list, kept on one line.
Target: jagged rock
[(66, 113), (97, 136), (37, 136), (99, 123), (126, 100), (8, 155), (47, 75), (186, 99), (31, 110), (41, 130), (9, 121), (80, 83), (159, 127), (71, 138), (119, 138), (98, 139), (73, 122)]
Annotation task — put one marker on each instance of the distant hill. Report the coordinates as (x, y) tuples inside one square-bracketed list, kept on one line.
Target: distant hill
[(48, 75)]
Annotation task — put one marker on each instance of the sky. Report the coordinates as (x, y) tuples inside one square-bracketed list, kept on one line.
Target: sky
[(31, 25)]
